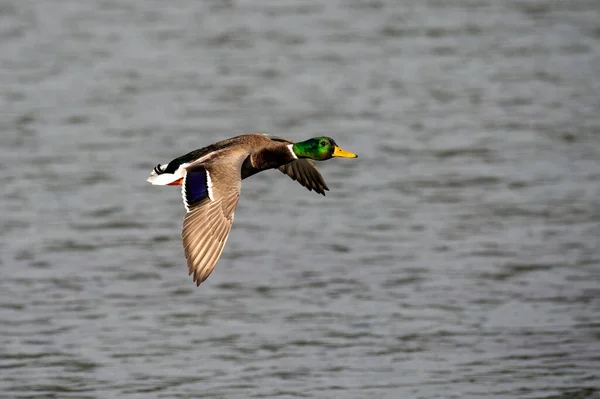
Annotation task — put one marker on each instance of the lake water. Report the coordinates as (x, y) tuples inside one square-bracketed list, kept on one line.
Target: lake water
[(457, 257)]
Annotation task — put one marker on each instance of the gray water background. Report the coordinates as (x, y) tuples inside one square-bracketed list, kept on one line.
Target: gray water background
[(458, 257)]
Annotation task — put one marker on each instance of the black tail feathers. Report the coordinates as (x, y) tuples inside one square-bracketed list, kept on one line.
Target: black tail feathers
[(158, 170)]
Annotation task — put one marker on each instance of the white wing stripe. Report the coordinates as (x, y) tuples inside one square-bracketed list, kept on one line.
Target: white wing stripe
[(209, 186), (183, 193)]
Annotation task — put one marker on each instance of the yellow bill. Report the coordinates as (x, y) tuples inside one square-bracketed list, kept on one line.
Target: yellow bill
[(338, 152)]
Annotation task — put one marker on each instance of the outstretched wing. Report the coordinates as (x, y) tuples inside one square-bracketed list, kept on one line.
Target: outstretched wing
[(210, 198), (303, 171)]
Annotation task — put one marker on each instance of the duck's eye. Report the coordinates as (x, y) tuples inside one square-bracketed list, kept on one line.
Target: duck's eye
[(322, 144)]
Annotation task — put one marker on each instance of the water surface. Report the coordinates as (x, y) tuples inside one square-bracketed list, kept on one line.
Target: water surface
[(456, 258)]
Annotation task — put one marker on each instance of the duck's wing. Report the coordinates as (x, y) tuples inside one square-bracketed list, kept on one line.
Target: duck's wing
[(306, 173), (303, 171), (210, 196)]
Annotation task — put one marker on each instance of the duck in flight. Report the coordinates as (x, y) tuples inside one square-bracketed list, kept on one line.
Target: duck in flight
[(211, 181)]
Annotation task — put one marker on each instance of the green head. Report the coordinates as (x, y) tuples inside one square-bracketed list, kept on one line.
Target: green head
[(320, 149)]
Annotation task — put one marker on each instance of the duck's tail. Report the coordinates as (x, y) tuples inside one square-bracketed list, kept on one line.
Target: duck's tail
[(158, 177)]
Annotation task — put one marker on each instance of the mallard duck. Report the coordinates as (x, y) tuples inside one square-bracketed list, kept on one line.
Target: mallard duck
[(211, 180)]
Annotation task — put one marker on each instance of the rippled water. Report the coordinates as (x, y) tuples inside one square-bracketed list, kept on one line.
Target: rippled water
[(458, 257)]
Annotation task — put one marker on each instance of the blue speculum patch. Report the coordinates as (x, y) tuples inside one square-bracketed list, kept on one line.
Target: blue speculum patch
[(196, 187)]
